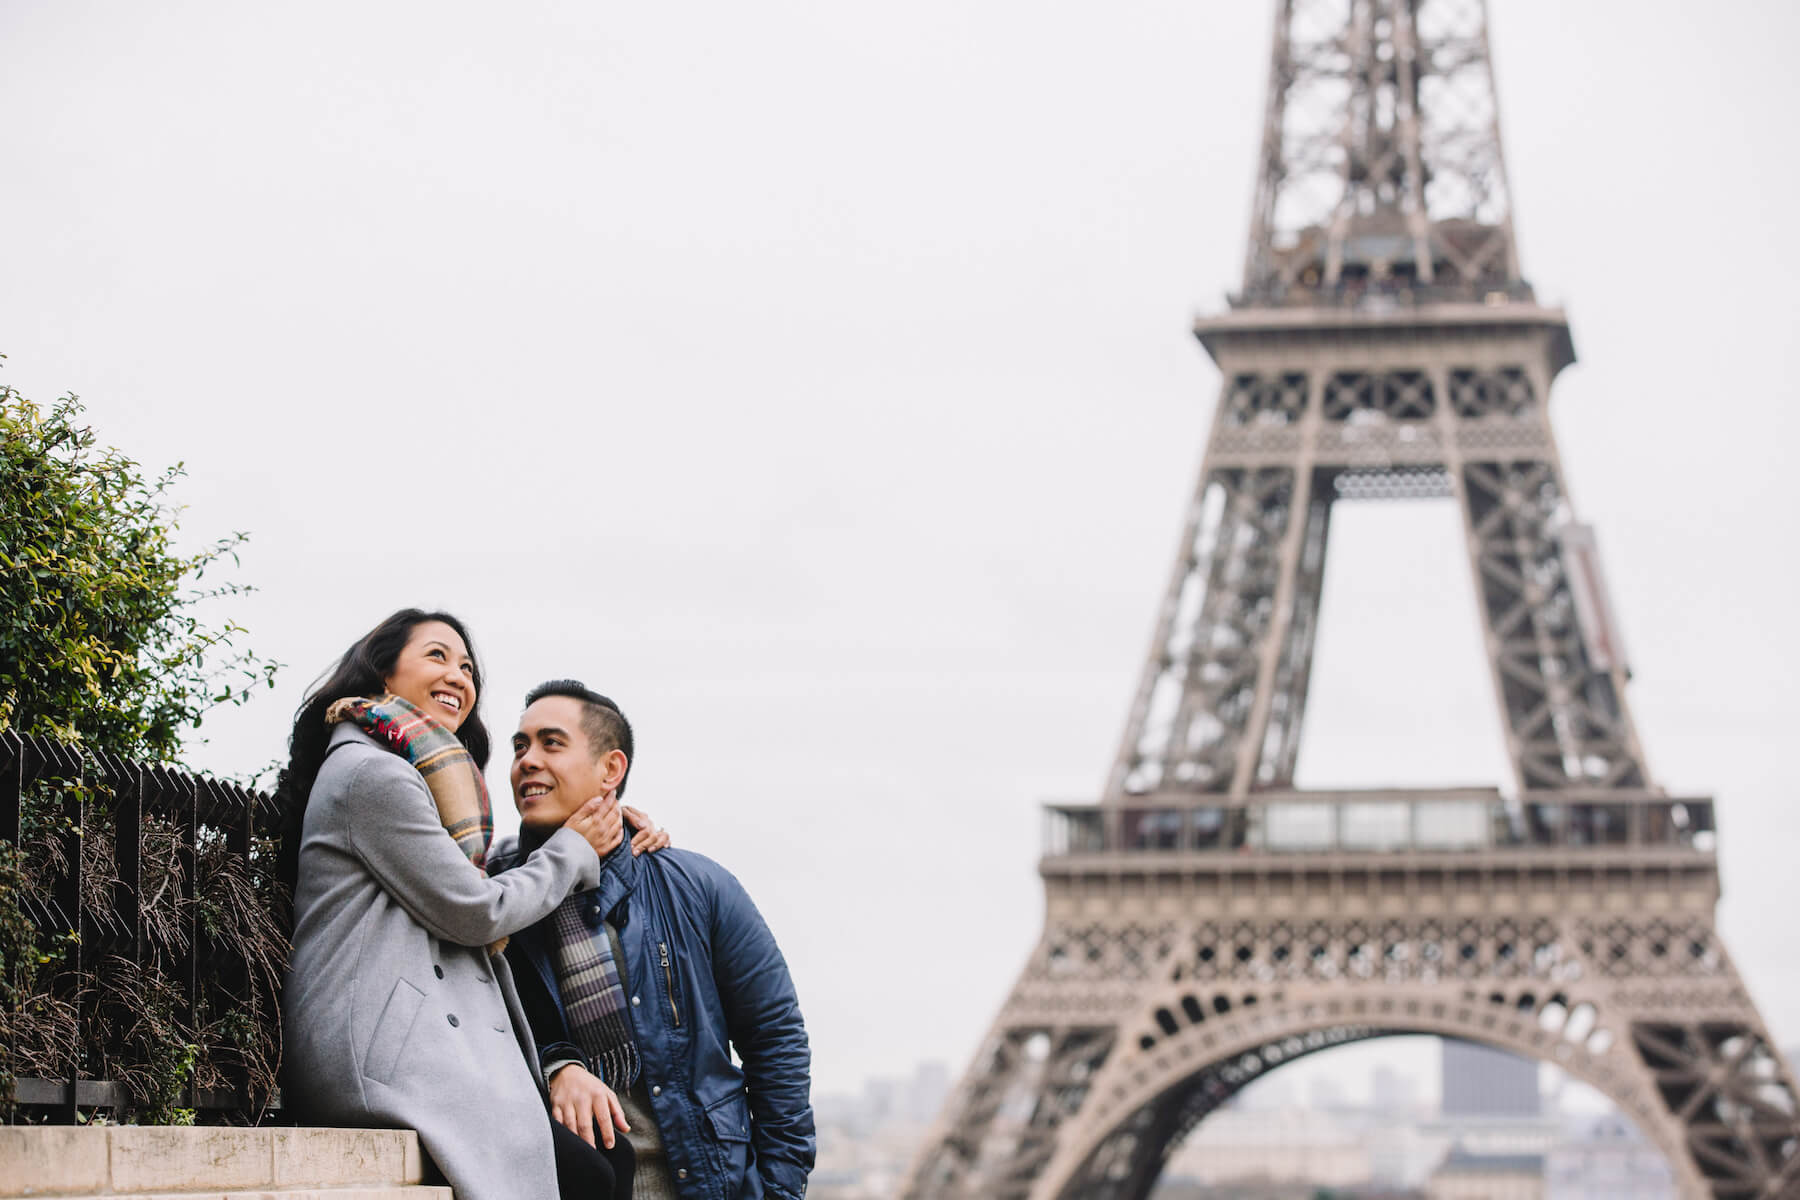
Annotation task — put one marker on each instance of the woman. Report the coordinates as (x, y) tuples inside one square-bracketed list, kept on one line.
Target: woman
[(399, 1010)]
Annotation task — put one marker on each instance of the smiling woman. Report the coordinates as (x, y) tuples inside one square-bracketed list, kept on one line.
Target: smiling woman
[(398, 1007), (435, 672)]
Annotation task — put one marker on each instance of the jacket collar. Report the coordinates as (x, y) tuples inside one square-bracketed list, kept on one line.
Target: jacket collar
[(618, 876), (619, 871)]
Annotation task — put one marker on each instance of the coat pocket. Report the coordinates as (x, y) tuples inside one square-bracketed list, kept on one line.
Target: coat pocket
[(391, 1031), (730, 1119)]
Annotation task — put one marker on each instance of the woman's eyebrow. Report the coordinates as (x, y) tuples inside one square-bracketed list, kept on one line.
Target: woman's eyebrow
[(445, 646)]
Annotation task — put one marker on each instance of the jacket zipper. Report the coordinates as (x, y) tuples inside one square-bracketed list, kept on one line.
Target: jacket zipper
[(662, 948)]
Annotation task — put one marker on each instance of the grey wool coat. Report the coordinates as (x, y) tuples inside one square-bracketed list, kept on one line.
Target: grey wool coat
[(395, 1014)]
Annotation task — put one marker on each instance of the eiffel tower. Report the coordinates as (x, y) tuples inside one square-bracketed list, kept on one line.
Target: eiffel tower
[(1207, 921)]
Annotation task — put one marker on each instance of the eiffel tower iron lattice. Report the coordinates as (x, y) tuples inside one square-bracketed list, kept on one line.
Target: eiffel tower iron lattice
[(1207, 921)]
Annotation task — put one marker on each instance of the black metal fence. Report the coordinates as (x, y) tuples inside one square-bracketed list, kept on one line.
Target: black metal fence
[(147, 940)]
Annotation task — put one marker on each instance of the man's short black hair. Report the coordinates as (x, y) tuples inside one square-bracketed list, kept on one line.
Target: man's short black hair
[(601, 720)]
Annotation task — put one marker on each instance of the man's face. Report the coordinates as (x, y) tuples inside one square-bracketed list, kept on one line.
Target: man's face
[(554, 771)]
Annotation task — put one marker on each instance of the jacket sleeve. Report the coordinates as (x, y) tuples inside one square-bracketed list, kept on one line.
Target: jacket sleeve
[(394, 829), (762, 1016), (555, 1047)]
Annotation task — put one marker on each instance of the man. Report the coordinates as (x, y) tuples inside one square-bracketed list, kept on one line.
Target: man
[(637, 992)]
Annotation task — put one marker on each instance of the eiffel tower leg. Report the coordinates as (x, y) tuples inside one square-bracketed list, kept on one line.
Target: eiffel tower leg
[(999, 1127), (1724, 1089), (1196, 716), (1293, 672), (1559, 683), (1128, 1164)]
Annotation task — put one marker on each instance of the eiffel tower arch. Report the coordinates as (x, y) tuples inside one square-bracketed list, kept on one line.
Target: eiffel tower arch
[(1207, 920)]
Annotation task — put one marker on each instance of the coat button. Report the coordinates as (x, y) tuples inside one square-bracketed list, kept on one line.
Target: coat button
[(656, 1089), (437, 970), (451, 1017), (681, 1173), (634, 1002)]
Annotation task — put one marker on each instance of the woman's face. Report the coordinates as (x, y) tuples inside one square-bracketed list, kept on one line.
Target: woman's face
[(435, 674)]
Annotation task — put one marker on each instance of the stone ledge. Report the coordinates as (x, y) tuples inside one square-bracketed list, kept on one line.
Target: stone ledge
[(208, 1162), (397, 1192)]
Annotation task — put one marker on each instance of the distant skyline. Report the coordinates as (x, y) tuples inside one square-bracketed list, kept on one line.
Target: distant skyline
[(1353, 1075), (817, 379)]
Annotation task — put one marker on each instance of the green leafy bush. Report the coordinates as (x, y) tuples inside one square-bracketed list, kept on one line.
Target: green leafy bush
[(99, 644), (101, 649)]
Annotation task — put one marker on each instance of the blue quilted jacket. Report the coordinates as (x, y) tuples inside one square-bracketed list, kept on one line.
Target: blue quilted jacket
[(704, 977)]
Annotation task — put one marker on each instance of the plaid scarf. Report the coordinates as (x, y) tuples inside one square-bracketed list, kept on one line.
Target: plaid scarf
[(434, 751), (593, 992), (448, 767)]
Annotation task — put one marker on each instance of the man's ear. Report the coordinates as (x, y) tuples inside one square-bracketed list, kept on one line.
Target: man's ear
[(612, 768)]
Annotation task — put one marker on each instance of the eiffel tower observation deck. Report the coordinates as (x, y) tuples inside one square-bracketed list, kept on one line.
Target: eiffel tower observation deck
[(1207, 921)]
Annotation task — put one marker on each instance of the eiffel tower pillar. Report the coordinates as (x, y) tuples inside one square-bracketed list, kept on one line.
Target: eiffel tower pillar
[(1207, 921)]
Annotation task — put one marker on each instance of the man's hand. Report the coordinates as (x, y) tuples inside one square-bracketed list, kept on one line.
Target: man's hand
[(579, 1101), (600, 822), (650, 836)]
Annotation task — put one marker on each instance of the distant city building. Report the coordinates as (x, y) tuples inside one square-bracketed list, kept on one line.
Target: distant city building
[(1390, 1091), (1256, 1146), (1326, 1094), (1188, 1190), (1402, 1153), (1466, 1176), (1479, 1081), (867, 1139), (1499, 1135), (1605, 1159), (1493, 1115), (925, 1091)]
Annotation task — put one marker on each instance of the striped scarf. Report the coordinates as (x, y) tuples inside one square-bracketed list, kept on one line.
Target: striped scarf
[(593, 992), (448, 767)]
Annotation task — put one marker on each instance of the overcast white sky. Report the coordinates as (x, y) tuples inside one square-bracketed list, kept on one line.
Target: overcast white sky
[(816, 379)]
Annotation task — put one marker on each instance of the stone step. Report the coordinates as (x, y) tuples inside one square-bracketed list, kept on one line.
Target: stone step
[(211, 1163)]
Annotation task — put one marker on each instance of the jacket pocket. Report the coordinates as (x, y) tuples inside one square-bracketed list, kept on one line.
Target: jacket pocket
[(730, 1119), (391, 1031)]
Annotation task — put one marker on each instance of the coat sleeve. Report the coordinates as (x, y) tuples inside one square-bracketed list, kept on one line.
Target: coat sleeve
[(394, 829), (762, 1016)]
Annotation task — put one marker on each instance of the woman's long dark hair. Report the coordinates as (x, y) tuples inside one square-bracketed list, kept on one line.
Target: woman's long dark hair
[(363, 671)]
